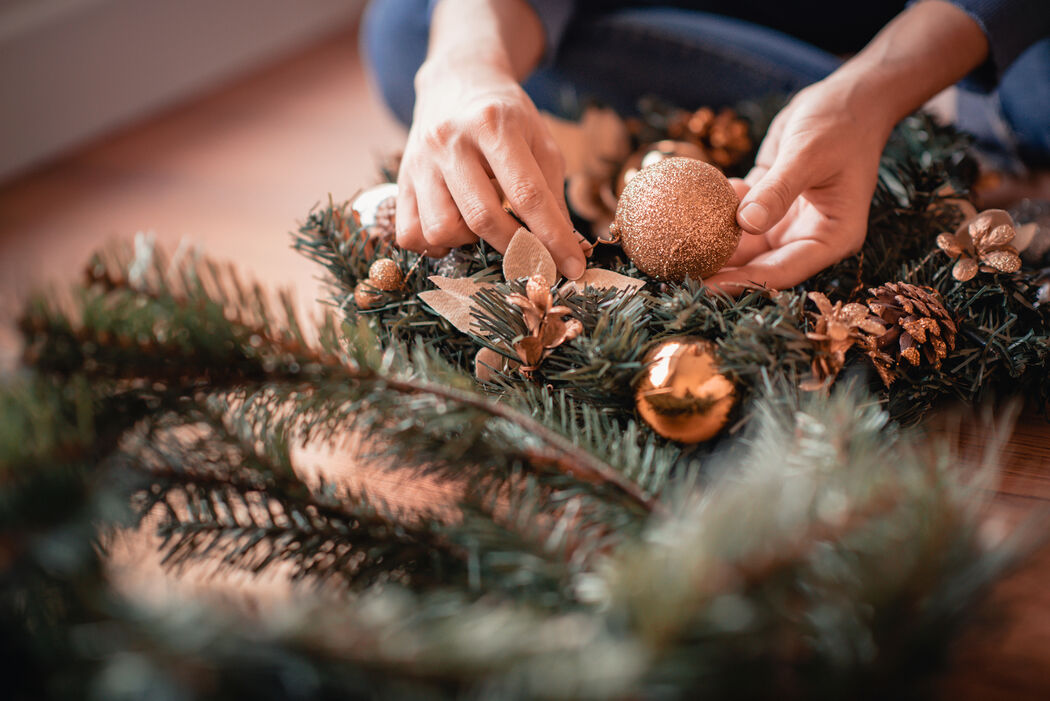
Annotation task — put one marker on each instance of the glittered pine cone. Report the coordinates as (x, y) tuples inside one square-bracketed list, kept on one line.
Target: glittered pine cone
[(835, 329), (724, 136), (919, 328), (728, 138), (386, 219)]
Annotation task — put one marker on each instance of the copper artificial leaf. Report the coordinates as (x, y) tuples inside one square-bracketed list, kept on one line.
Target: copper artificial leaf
[(453, 300), (1005, 261), (527, 256), (999, 236), (604, 279), (488, 364), (949, 244), (964, 269)]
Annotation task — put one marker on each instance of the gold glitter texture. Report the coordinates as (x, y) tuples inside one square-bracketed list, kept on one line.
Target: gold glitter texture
[(676, 218), (366, 296), (384, 274)]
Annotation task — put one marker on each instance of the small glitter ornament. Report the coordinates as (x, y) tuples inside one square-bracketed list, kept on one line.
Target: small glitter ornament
[(384, 274), (676, 218), (682, 394), (367, 296)]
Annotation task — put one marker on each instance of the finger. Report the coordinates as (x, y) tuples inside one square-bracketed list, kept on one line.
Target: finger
[(552, 165), (530, 197), (741, 188), (750, 247), (772, 195), (752, 244), (780, 268), (753, 176), (439, 217), (479, 202), (409, 232)]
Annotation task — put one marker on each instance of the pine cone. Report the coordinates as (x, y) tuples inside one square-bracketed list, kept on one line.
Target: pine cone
[(919, 328), (386, 219), (724, 136), (456, 264), (836, 329)]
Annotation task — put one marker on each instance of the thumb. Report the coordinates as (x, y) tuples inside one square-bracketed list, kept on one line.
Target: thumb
[(771, 197)]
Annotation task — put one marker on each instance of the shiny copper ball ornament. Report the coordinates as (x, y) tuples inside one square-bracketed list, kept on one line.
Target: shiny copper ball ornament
[(654, 153), (676, 218), (384, 274), (682, 395)]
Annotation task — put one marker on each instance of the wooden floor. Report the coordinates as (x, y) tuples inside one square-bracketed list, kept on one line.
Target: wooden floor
[(234, 171)]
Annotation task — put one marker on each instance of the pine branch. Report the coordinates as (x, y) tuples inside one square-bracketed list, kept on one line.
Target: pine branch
[(636, 452)]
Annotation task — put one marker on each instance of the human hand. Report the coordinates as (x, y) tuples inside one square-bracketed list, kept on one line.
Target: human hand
[(804, 206), (475, 137)]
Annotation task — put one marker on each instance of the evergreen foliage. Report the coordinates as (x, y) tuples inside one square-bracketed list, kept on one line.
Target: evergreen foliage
[(818, 550)]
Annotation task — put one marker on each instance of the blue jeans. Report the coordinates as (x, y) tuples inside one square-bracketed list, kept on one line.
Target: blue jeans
[(692, 58)]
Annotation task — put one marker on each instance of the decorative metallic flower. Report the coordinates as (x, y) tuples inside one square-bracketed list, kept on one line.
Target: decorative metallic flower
[(549, 325), (983, 244)]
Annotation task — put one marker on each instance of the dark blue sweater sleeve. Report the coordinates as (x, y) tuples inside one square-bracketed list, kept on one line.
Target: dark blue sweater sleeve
[(1011, 26), (553, 14)]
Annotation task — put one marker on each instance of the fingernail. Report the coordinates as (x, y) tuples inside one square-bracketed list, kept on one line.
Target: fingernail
[(573, 268), (754, 216)]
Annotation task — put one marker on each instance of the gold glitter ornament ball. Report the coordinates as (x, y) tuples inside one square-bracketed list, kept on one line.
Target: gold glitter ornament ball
[(384, 274), (367, 295), (677, 217), (682, 395)]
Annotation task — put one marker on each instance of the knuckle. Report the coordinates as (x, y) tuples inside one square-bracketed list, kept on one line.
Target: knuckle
[(478, 217), (434, 235), (405, 239), (526, 196), (440, 135), (493, 119), (779, 193), (441, 229)]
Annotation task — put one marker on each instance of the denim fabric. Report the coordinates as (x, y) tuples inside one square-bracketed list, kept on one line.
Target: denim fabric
[(394, 37), (693, 58), (686, 57), (1024, 95)]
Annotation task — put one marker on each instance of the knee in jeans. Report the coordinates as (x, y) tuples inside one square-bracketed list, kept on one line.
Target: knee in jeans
[(393, 42)]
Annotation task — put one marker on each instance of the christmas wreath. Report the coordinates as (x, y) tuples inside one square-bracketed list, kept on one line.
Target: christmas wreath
[(662, 490)]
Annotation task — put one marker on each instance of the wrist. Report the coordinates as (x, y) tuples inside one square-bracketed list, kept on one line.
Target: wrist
[(463, 64), (923, 50), (871, 101), (504, 35), (863, 103)]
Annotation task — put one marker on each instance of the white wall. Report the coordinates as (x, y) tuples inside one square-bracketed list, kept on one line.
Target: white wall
[(72, 70)]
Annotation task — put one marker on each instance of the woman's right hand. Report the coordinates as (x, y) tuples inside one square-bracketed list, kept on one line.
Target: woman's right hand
[(473, 127)]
